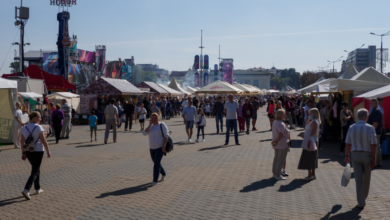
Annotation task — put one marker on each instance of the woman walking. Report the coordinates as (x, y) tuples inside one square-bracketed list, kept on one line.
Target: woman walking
[(158, 138), (141, 116), (271, 112), (240, 117), (280, 139), (57, 118), (309, 156), (35, 141), (200, 124)]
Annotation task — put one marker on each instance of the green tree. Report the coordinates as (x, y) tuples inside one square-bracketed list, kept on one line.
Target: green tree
[(291, 77), (309, 78), (15, 67)]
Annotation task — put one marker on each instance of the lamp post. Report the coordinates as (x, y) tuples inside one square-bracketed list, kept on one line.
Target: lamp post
[(21, 59), (322, 68), (381, 35), (338, 60)]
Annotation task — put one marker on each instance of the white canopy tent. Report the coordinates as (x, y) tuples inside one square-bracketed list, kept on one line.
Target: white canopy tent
[(219, 87), (354, 85), (8, 97), (349, 72), (314, 87), (320, 79), (190, 89), (254, 89), (245, 89), (171, 91), (71, 98), (371, 75), (174, 85), (30, 95)]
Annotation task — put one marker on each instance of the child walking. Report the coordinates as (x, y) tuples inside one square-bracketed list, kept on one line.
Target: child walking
[(200, 123), (92, 120)]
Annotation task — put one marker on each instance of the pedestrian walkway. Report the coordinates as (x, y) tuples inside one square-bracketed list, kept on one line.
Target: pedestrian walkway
[(91, 180)]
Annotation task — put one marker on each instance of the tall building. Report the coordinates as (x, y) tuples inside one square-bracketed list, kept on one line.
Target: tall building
[(362, 58), (261, 79)]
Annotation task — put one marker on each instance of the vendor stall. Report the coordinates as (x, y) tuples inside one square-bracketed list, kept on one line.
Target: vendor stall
[(71, 98), (155, 90), (219, 87), (8, 97)]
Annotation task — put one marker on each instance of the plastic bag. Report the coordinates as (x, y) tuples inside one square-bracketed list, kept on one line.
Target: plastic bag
[(25, 118), (346, 175)]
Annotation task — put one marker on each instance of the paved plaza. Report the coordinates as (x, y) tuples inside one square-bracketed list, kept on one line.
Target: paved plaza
[(84, 180)]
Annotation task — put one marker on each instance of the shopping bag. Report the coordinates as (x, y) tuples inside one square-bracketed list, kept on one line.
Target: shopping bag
[(346, 175)]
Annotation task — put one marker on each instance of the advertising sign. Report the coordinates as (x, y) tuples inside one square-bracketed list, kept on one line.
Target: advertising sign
[(205, 78), (196, 79), (73, 49), (206, 62), (100, 58), (50, 63), (227, 69), (127, 70), (85, 56), (114, 70), (196, 63)]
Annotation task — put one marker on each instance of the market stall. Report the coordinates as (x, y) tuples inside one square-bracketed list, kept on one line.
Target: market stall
[(32, 100), (172, 92), (8, 97), (71, 98), (219, 87), (156, 91)]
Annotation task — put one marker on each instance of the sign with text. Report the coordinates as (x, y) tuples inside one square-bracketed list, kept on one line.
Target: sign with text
[(63, 3)]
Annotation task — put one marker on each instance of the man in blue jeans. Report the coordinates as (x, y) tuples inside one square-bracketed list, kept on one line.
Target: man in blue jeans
[(189, 114), (163, 105), (218, 112), (231, 108)]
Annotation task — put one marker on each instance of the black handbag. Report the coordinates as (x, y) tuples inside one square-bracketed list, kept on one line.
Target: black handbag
[(169, 145)]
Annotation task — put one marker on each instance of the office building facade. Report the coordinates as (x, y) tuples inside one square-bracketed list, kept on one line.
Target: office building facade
[(362, 58)]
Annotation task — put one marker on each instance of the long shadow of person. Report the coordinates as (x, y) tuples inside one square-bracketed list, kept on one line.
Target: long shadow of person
[(350, 215), (11, 201), (127, 191), (259, 185), (293, 185)]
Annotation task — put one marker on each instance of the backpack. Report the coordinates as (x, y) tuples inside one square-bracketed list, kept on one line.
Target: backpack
[(169, 146), (56, 119), (29, 144)]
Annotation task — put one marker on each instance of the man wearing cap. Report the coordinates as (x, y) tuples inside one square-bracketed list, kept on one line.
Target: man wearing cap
[(231, 108)]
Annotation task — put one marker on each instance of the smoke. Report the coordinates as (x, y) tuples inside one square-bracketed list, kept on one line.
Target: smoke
[(189, 79)]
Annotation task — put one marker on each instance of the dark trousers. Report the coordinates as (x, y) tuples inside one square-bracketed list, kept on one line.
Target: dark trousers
[(57, 131), (219, 119), (231, 124), (157, 156), (345, 131), (163, 112), (200, 128), (325, 131), (35, 159), (129, 121)]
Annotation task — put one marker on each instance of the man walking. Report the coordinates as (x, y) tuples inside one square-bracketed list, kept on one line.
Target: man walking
[(163, 105), (361, 142), (247, 113), (231, 108), (375, 119), (129, 112), (255, 104), (189, 114), (112, 119), (67, 109), (218, 112)]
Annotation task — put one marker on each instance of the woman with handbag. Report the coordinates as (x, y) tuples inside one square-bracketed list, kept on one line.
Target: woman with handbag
[(158, 138), (280, 141), (346, 119), (34, 145), (309, 156)]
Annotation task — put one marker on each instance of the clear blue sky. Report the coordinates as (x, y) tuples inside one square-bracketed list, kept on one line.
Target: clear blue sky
[(302, 34)]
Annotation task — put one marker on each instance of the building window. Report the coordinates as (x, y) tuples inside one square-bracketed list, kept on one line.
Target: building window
[(255, 83)]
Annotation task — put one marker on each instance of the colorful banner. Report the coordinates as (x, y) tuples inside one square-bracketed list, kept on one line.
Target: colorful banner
[(205, 78), (206, 62), (114, 70), (227, 69), (73, 49), (196, 63), (85, 56), (196, 79), (50, 63), (127, 70), (100, 58)]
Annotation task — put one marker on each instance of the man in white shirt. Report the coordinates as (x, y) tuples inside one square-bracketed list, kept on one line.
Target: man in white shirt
[(189, 114), (17, 126), (231, 108), (184, 103), (361, 142)]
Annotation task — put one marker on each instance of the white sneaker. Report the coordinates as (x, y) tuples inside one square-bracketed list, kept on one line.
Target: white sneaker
[(39, 191), (280, 178), (342, 154), (26, 194), (153, 184), (163, 178), (189, 140), (197, 140), (203, 140)]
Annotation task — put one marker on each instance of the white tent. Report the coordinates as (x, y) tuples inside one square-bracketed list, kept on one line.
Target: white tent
[(371, 75), (219, 87), (320, 79), (8, 96), (349, 72), (314, 87), (254, 89), (174, 85), (245, 89), (71, 98), (190, 89), (172, 92), (354, 85), (30, 95)]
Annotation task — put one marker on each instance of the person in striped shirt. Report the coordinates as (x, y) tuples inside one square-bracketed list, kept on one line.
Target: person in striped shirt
[(361, 143)]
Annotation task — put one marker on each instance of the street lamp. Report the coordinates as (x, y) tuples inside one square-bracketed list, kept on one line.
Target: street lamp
[(355, 49), (381, 35), (338, 60)]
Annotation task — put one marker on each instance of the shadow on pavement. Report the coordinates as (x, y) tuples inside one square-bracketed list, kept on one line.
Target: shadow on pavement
[(11, 201), (265, 140), (263, 131), (214, 148), (183, 143), (89, 145), (293, 185), (259, 185), (352, 215), (127, 191)]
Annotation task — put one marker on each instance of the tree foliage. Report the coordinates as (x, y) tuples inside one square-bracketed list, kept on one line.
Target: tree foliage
[(310, 77), (288, 77), (15, 67)]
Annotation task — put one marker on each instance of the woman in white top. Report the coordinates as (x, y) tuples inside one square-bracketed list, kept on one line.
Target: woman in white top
[(34, 155), (200, 124), (158, 138), (141, 116), (309, 157)]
